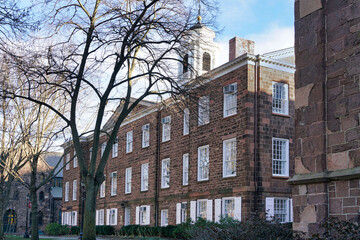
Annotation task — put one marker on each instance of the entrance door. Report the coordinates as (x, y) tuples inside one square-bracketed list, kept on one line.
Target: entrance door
[(127, 216), (10, 221)]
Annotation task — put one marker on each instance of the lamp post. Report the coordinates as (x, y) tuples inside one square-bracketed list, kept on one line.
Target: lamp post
[(26, 234)]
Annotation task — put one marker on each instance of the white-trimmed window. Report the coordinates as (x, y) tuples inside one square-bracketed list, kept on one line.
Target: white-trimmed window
[(73, 218), (229, 157), (74, 190), (186, 121), (142, 215), (280, 98), (280, 157), (279, 209), (69, 218), (66, 191), (164, 218), (228, 207), (100, 214), (112, 216), (166, 128), (230, 97), (204, 110), (115, 147), (103, 146), (145, 135), (185, 169), (102, 188), (113, 188), (144, 177), (129, 141), (165, 173), (183, 212), (75, 161), (202, 209), (90, 152), (67, 162), (128, 176), (203, 163)]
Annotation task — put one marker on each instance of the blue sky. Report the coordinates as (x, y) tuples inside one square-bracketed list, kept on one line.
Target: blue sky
[(270, 23)]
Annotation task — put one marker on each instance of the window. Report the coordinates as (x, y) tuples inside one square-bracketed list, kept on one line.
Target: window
[(229, 207), (202, 209), (229, 157), (164, 218), (279, 209), (129, 142), (280, 98), (186, 63), (90, 152), (67, 166), (103, 146), (102, 188), (100, 217), (230, 97), (204, 110), (166, 128), (185, 169), (143, 215), (115, 147), (74, 189), (73, 218), (145, 135), (186, 121), (41, 196), (280, 157), (165, 173), (206, 61), (144, 177), (183, 212), (75, 161), (128, 173), (113, 177), (66, 191), (203, 163), (112, 216)]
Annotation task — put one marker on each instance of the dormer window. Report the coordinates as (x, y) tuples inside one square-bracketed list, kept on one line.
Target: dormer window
[(186, 63), (206, 61)]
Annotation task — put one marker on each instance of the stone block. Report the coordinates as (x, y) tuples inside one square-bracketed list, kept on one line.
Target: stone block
[(308, 215), (352, 134), (351, 201), (302, 96), (337, 161), (335, 206), (342, 189), (355, 158), (308, 6)]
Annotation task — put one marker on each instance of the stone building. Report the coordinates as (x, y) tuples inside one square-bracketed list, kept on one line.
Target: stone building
[(327, 156), (49, 198), (227, 153)]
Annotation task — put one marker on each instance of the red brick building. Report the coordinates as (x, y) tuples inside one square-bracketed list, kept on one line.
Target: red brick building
[(228, 153), (327, 106)]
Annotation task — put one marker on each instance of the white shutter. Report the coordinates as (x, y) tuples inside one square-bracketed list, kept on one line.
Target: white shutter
[(209, 210), (107, 216), (148, 215), (116, 216), (178, 213), (137, 216), (193, 211), (217, 210), (97, 218), (237, 208), (62, 219), (69, 218), (75, 219), (290, 210), (269, 208)]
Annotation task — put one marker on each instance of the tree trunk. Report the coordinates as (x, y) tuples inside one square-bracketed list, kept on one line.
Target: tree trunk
[(34, 203), (89, 230)]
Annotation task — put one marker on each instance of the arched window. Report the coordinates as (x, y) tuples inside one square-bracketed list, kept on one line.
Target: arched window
[(42, 177), (41, 196), (206, 61), (9, 221), (186, 63)]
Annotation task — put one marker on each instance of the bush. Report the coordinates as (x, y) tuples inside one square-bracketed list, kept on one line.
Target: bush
[(147, 231), (75, 230), (56, 229), (339, 229), (105, 230)]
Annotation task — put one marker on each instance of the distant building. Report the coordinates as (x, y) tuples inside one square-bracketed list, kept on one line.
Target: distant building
[(49, 198), (228, 153)]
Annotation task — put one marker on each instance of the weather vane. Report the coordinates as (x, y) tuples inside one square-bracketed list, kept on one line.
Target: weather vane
[(199, 12)]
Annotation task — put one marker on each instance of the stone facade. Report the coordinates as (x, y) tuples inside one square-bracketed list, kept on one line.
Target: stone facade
[(253, 126), (327, 106)]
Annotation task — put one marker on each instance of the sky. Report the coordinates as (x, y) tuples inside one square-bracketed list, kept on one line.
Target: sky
[(270, 23)]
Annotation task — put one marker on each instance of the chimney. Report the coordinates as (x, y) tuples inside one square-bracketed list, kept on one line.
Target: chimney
[(239, 46)]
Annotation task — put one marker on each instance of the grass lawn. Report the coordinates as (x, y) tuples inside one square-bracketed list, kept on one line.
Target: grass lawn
[(10, 237), (14, 237)]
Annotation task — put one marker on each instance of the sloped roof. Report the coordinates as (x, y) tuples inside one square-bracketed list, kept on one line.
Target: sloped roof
[(52, 159), (56, 192)]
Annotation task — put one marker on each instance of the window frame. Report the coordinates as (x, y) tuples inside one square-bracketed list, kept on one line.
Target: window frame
[(283, 100), (200, 177), (286, 161), (183, 212), (225, 161), (113, 186), (186, 122), (129, 141), (66, 192), (128, 180), (165, 174), (75, 161), (74, 190), (223, 207), (227, 97), (185, 181), (204, 110), (198, 208), (115, 148), (102, 192), (145, 136), (67, 162), (164, 217), (144, 187), (166, 137)]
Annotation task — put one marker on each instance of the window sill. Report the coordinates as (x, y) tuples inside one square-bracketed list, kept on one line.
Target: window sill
[(229, 176), (280, 177), (112, 195), (185, 185), (165, 187), (145, 190), (164, 141), (229, 116), (203, 124), (203, 180), (128, 153), (143, 147), (127, 193), (281, 115), (102, 197)]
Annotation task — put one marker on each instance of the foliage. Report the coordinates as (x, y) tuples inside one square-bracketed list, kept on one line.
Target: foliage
[(147, 231), (56, 229), (339, 229), (75, 230), (105, 230)]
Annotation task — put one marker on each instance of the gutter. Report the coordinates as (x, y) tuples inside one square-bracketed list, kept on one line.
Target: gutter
[(157, 164)]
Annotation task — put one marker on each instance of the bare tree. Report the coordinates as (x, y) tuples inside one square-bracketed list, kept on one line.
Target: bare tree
[(112, 52)]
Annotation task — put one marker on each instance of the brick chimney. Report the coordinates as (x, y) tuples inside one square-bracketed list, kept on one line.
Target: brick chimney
[(239, 46)]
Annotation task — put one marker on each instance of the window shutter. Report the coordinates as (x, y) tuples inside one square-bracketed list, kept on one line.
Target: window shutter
[(75, 219), (148, 215), (178, 213), (62, 218), (193, 211), (137, 216), (209, 210), (107, 216), (290, 211), (237, 206), (97, 217), (286, 96), (69, 218), (217, 210), (116, 216), (269, 208)]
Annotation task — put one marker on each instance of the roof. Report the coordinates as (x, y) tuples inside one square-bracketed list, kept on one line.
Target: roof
[(52, 159), (56, 192)]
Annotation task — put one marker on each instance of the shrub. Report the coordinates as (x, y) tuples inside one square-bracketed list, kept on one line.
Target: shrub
[(56, 229), (339, 229), (75, 230), (105, 230)]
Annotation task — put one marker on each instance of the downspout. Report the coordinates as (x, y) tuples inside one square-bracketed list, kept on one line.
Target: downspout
[(157, 164), (256, 160)]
